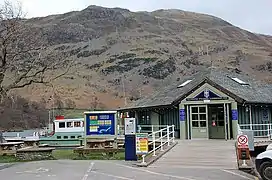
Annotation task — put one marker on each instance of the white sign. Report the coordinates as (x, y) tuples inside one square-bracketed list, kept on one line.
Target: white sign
[(242, 141), (130, 126)]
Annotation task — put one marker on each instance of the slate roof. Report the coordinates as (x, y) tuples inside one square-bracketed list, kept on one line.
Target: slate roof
[(255, 92)]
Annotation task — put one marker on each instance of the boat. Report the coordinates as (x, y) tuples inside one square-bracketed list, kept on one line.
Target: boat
[(63, 133)]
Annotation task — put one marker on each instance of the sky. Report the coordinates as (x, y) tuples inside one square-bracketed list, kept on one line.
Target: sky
[(252, 15)]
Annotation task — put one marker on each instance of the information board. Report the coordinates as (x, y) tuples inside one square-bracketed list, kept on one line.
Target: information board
[(100, 124), (141, 143)]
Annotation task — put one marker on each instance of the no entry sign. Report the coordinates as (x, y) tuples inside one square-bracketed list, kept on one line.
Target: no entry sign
[(242, 141)]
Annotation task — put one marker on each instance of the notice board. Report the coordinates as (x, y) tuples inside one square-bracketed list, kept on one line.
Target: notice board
[(102, 123)]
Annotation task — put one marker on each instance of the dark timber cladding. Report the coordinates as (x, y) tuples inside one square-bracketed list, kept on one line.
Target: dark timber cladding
[(210, 104)]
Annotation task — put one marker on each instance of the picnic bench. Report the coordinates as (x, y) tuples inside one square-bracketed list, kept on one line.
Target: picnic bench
[(100, 143), (31, 142), (10, 148)]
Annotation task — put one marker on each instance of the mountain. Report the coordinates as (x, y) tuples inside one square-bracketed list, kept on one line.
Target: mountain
[(119, 53)]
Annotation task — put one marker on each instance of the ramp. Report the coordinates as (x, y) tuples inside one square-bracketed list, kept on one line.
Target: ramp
[(215, 154)]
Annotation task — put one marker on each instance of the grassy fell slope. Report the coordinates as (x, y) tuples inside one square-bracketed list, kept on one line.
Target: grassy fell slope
[(147, 50)]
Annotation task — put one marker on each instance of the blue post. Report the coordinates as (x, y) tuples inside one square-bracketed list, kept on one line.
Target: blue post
[(130, 139)]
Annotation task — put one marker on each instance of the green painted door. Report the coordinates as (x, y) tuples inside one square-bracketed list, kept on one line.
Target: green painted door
[(199, 123), (216, 122)]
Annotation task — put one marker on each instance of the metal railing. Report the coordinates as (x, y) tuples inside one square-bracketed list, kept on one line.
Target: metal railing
[(260, 130), (165, 136), (141, 128)]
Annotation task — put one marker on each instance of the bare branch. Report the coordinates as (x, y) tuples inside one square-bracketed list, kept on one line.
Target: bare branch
[(24, 61)]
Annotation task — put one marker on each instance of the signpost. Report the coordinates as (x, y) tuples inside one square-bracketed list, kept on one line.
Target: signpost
[(243, 150), (141, 143)]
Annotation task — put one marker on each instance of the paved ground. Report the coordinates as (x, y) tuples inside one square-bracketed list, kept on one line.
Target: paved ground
[(111, 170), (203, 153), (188, 160)]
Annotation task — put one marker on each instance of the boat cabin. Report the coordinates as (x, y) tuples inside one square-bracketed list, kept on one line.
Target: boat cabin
[(69, 125)]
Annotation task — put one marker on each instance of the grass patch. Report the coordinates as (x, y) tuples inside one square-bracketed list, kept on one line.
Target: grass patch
[(8, 159)]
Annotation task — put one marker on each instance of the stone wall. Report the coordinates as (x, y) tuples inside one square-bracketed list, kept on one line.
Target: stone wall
[(34, 155)]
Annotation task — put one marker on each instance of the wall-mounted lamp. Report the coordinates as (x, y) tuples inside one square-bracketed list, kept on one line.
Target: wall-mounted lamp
[(247, 109)]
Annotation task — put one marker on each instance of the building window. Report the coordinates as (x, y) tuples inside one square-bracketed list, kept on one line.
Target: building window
[(265, 114), (65, 137), (58, 137), (79, 136), (73, 137), (62, 125), (144, 118), (199, 117), (77, 124)]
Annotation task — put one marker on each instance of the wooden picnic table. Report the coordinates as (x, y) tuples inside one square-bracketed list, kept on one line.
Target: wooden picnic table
[(31, 142), (10, 147), (99, 143)]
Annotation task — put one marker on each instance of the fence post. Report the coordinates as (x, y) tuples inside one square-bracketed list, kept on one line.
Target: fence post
[(173, 133), (268, 131), (154, 143), (161, 140), (118, 129), (143, 159), (168, 138)]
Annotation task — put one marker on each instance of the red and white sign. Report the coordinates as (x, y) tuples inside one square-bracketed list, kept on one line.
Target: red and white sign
[(242, 141)]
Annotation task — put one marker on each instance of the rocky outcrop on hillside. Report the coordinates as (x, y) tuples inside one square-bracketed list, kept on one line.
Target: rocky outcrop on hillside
[(127, 55)]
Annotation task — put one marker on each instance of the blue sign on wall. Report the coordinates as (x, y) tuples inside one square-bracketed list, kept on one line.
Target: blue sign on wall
[(182, 114), (234, 113), (100, 124)]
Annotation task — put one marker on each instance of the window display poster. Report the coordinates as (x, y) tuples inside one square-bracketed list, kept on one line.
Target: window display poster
[(100, 124)]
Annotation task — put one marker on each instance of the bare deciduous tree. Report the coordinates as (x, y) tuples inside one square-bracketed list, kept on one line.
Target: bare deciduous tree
[(24, 60)]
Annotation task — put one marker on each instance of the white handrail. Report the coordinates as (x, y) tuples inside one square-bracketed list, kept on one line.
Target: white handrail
[(169, 136), (141, 128), (260, 130)]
